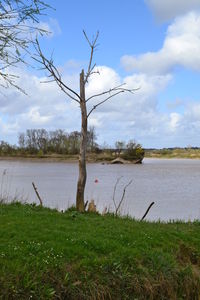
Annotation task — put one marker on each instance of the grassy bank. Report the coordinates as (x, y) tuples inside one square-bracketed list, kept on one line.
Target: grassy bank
[(50, 255)]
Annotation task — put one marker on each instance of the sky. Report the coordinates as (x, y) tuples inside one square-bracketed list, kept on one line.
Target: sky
[(153, 46)]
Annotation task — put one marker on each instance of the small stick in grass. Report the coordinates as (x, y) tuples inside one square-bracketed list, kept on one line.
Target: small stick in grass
[(38, 195), (147, 211), (85, 205)]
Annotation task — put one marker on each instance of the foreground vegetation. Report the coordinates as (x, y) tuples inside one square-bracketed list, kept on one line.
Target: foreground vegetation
[(46, 254)]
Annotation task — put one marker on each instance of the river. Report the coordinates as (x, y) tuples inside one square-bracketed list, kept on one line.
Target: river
[(173, 184)]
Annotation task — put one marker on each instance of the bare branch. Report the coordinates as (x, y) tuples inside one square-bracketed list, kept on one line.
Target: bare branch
[(92, 46), (47, 81), (94, 41), (95, 106), (94, 72), (53, 71), (117, 88), (118, 179), (53, 80), (9, 80), (122, 198), (105, 92), (19, 19)]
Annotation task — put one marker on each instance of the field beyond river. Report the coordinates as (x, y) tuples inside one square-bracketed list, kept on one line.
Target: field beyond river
[(192, 153), (46, 254)]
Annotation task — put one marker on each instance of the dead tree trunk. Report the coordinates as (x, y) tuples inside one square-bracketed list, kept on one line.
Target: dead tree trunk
[(83, 146), (55, 75)]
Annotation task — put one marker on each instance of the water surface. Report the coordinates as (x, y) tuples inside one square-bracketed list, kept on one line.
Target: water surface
[(173, 184)]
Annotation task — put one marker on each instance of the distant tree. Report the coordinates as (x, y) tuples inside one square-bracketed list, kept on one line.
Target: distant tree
[(22, 140), (42, 140), (82, 101), (6, 148), (58, 141), (91, 139), (18, 20), (120, 145), (74, 142), (31, 140), (133, 150)]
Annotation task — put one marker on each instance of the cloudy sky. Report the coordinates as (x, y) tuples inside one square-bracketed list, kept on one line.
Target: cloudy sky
[(152, 45)]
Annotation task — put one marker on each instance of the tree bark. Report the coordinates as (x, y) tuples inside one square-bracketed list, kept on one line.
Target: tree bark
[(83, 145)]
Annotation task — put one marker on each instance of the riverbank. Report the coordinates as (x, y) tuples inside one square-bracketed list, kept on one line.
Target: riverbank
[(90, 158), (43, 158), (50, 255), (106, 156)]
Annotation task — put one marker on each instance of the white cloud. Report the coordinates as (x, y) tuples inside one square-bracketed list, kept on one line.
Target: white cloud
[(131, 116), (106, 79), (174, 121), (8, 129), (126, 116), (181, 47), (45, 27), (169, 9), (122, 118), (54, 26), (47, 107), (51, 27), (95, 122), (193, 112), (35, 117), (180, 124)]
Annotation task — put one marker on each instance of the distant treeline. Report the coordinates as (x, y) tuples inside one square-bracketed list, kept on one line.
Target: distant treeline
[(41, 142)]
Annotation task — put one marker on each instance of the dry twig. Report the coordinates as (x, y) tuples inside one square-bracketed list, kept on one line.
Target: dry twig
[(38, 195), (147, 211), (117, 207)]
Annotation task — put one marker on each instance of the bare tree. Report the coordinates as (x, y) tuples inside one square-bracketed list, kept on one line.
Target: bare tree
[(91, 138), (119, 145), (18, 21), (82, 100)]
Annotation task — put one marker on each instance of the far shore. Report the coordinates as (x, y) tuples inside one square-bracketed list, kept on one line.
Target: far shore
[(62, 158), (103, 159), (40, 159)]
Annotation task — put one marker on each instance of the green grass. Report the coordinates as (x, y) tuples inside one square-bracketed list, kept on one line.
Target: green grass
[(45, 254)]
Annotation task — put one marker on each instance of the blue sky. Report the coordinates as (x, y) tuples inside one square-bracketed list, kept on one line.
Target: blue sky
[(125, 27), (150, 44)]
